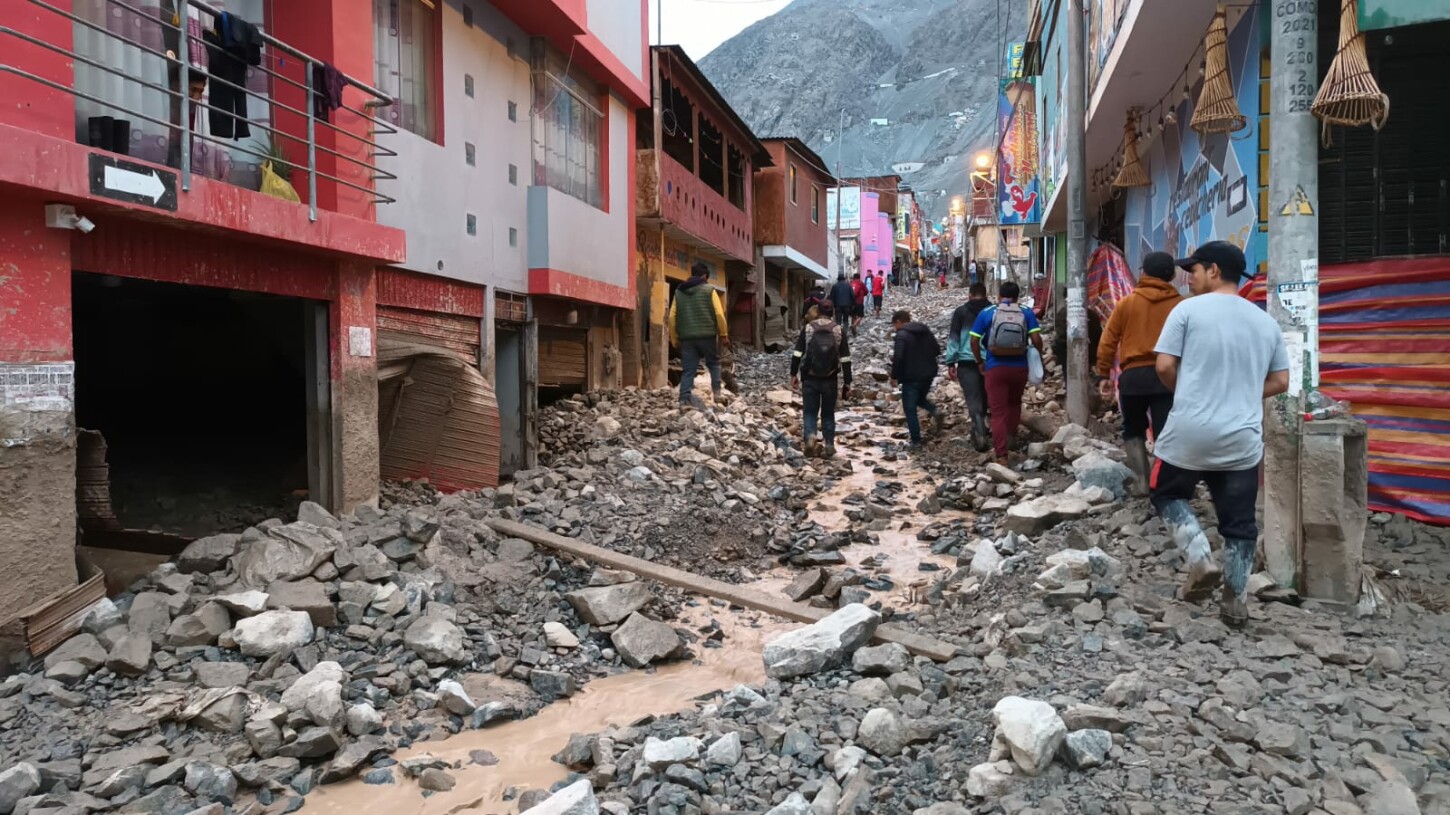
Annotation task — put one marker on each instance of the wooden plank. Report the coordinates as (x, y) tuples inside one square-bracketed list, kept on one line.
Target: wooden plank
[(737, 595)]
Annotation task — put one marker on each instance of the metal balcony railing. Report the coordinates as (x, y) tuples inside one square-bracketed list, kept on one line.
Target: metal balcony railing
[(115, 54)]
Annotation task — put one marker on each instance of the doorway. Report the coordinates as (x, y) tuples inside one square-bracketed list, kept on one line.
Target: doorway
[(509, 390)]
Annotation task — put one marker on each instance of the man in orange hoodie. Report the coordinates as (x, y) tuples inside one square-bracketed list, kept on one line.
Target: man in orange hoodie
[(1130, 336)]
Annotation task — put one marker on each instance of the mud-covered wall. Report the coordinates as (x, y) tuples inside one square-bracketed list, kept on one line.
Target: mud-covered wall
[(355, 386)]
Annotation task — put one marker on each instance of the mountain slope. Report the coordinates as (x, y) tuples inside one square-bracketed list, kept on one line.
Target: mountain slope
[(926, 68)]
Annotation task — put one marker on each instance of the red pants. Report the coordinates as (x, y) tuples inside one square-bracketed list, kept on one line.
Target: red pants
[(1004, 397)]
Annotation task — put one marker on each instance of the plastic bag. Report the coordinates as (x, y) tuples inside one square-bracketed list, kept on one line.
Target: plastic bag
[(1035, 370), (277, 186)]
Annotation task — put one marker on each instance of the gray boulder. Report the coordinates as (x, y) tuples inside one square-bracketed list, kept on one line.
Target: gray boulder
[(607, 605), (1097, 470), (794, 804), (209, 554), (150, 614), (881, 660), (19, 781), (130, 656), (295, 697), (289, 552), (641, 641), (820, 645), (82, 648), (273, 632), (575, 799), (1084, 749), (1038, 515), (1031, 729), (208, 782), (436, 641)]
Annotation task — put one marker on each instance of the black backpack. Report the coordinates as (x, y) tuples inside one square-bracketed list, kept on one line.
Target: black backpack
[(823, 351)]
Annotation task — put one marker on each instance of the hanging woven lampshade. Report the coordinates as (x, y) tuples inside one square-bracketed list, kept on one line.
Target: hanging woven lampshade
[(1217, 111), (1132, 174), (1349, 95)]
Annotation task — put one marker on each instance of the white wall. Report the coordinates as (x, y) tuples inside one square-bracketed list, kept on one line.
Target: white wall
[(619, 25), (438, 189), (569, 235)]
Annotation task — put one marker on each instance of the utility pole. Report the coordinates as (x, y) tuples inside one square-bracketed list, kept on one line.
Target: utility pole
[(1079, 391), (840, 191), (1293, 257)]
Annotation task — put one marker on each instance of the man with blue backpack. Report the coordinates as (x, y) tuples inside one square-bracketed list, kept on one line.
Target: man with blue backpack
[(821, 355), (962, 366), (1000, 338)]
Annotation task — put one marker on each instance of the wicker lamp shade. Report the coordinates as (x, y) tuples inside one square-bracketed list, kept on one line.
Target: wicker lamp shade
[(1132, 173), (1217, 110), (1349, 95)]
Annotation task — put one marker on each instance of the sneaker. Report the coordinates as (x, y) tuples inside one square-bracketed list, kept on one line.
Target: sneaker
[(1203, 577), (1233, 611)]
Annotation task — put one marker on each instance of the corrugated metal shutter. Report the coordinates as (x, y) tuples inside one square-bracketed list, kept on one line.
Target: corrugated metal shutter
[(456, 332), (563, 357), (437, 417)]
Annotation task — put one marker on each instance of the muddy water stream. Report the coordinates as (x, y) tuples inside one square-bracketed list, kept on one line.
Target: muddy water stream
[(524, 748)]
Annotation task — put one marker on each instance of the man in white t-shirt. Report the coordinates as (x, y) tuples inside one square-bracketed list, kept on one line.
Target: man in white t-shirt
[(1222, 356)]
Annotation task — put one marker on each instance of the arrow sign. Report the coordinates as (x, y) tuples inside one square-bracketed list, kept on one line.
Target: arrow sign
[(146, 186), (132, 182)]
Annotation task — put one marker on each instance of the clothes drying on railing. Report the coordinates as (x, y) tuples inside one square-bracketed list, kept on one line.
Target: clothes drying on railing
[(327, 84), (232, 45)]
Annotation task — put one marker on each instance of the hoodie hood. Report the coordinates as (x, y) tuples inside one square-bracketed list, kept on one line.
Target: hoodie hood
[(693, 282), (916, 328), (1154, 290)]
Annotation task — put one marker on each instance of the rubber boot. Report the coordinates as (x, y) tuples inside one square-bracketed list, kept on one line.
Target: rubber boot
[(1238, 561), (1137, 450), (811, 446), (1203, 574)]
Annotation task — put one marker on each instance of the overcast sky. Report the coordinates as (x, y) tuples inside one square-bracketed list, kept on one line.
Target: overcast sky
[(700, 25)]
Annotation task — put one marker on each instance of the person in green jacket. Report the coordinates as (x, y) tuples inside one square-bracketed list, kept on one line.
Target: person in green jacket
[(698, 327)]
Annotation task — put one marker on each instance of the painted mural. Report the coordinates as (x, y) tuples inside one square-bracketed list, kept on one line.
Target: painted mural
[(850, 208), (1105, 17), (1393, 13), (1204, 188), (1051, 107), (1019, 197)]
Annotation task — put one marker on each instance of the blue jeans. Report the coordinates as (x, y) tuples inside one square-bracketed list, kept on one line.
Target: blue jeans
[(819, 396), (914, 396), (691, 353)]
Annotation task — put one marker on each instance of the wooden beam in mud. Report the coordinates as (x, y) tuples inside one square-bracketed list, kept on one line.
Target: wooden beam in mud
[(735, 595)]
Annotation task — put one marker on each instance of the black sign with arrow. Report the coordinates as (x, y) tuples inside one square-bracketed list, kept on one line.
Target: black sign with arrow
[(132, 182)]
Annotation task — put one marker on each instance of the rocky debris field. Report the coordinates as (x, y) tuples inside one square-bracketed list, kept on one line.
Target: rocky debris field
[(260, 665)]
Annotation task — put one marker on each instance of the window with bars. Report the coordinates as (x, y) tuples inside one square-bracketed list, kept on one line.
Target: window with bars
[(567, 128), (405, 56)]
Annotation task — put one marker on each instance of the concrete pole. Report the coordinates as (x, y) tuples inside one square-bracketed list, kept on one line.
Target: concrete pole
[(1079, 379), (1293, 250)]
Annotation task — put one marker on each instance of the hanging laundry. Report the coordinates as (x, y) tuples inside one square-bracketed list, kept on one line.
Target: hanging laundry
[(327, 84), (232, 45)]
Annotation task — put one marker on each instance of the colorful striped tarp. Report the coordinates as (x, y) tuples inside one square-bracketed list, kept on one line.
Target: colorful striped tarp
[(1384, 345)]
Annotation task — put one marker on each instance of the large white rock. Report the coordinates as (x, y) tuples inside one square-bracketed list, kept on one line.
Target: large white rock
[(990, 780), (726, 751), (794, 804), (1041, 514), (295, 697), (575, 799), (19, 781), (273, 632), (607, 605), (820, 645), (660, 754), (289, 552), (1085, 564), (1032, 729), (986, 562), (436, 641)]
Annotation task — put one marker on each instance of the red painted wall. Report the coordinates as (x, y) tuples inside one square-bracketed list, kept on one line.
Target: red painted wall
[(778, 222), (690, 204), (35, 304), (339, 32), (428, 293), (28, 103)]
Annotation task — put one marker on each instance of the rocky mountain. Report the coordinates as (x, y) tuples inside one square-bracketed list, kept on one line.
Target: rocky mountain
[(914, 81)]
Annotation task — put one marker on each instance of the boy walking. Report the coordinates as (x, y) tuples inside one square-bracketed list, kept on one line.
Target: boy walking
[(821, 354), (913, 364), (1000, 337), (965, 368), (1222, 357), (1129, 339)]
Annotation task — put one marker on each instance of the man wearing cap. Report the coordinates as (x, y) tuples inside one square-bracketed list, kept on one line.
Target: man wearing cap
[(1222, 356), (1129, 339)]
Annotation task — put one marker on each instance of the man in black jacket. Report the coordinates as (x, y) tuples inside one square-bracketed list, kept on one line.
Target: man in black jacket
[(843, 297), (821, 355), (913, 364), (963, 367)]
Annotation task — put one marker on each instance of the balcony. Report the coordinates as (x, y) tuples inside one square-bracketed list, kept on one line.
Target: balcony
[(153, 83), (690, 210)]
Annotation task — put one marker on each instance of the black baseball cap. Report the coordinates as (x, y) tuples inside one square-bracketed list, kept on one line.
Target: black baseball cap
[(1230, 259), (1159, 265)]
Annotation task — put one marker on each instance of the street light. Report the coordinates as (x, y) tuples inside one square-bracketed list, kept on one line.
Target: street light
[(984, 160)]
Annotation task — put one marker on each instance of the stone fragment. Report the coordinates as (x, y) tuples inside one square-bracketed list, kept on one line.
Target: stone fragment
[(1390, 798), (607, 605), (641, 641), (303, 595), (225, 715), (311, 512), (312, 742), (82, 648), (1097, 470), (821, 645), (289, 552), (986, 561), (725, 751), (19, 781), (296, 696), (435, 780), (454, 698), (1031, 729), (222, 674), (660, 753), (1038, 515), (209, 554), (881, 660), (437, 641), (806, 585), (550, 685), (273, 632), (188, 630), (990, 780), (1092, 717), (324, 705), (1084, 749), (558, 635), (208, 782), (363, 719), (575, 799), (1287, 740), (1127, 690), (248, 603), (794, 804)]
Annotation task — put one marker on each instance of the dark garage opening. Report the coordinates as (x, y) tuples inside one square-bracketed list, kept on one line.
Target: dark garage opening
[(201, 395)]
